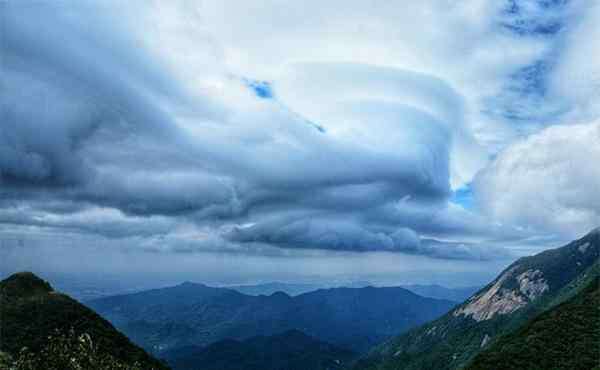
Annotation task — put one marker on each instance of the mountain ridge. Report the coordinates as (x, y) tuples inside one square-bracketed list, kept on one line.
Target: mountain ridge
[(523, 290), (353, 318), (290, 350), (565, 337)]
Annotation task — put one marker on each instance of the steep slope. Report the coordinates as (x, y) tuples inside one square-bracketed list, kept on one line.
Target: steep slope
[(31, 312), (291, 350), (527, 287), (566, 337), (194, 314)]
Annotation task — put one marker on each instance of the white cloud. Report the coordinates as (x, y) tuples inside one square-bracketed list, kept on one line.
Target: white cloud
[(576, 77), (464, 44), (547, 182), (372, 105)]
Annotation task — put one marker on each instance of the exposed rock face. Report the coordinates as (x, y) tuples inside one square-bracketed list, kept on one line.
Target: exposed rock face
[(583, 247), (495, 300), (532, 284), (521, 292), (486, 340), (431, 331), (500, 300)]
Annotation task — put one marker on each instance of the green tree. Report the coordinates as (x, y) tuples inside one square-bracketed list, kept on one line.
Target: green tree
[(67, 351)]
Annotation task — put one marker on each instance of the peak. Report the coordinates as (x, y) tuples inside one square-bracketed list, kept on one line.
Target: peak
[(24, 284), (25, 277), (280, 294), (191, 284), (592, 236), (594, 232)]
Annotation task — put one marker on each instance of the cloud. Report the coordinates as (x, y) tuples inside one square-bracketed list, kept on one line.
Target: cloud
[(324, 232), (546, 182), (218, 125), (474, 46), (105, 222), (373, 104), (109, 261), (576, 77)]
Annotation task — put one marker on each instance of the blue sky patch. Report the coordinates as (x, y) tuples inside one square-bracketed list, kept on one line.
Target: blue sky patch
[(262, 89), (463, 197)]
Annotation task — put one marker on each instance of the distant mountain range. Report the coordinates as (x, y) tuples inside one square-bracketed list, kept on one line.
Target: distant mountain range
[(194, 314), (291, 350), (291, 289), (441, 292), (514, 308), (59, 332), (90, 287), (431, 291), (541, 312)]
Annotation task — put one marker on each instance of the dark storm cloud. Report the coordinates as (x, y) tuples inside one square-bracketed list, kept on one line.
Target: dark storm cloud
[(81, 119), (69, 83), (322, 232)]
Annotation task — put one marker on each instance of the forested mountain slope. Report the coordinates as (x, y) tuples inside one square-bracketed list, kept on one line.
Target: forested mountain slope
[(34, 316), (526, 288)]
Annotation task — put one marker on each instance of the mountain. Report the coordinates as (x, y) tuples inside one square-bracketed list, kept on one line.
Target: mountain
[(55, 327), (566, 337), (270, 288), (431, 291), (528, 287), (195, 314), (441, 292), (291, 350)]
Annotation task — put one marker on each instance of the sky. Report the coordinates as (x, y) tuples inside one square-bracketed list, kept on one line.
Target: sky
[(229, 141)]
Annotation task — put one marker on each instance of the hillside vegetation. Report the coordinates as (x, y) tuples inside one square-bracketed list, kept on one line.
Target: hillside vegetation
[(528, 287), (566, 337), (43, 329), (292, 350)]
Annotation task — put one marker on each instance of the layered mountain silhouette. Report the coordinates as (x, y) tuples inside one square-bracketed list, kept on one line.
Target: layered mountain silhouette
[(429, 290), (41, 328), (441, 292), (291, 350), (541, 312), (514, 308), (194, 314), (274, 287)]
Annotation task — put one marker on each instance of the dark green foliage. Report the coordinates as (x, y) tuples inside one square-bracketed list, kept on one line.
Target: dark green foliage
[(453, 340), (566, 337), (68, 352), (23, 285), (6, 361), (291, 350), (31, 312), (194, 314)]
